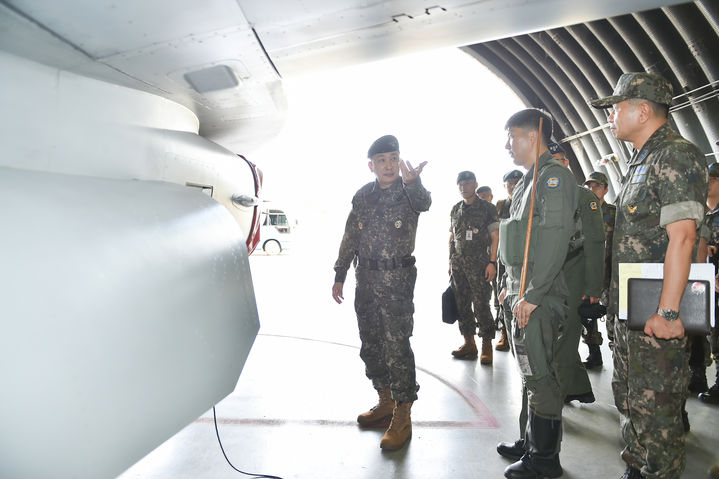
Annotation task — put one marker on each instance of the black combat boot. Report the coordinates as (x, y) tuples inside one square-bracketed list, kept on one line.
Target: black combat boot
[(511, 450), (542, 457), (594, 360), (712, 395), (698, 381), (685, 418)]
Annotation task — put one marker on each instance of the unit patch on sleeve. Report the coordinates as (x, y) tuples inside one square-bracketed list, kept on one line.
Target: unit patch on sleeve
[(552, 182)]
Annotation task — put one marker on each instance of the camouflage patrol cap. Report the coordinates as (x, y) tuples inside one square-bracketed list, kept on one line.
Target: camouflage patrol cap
[(598, 177), (646, 86), (384, 144), (512, 175), (465, 175), (555, 148), (714, 170)]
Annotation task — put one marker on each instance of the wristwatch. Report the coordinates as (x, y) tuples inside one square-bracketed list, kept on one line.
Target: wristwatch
[(493, 262), (668, 314)]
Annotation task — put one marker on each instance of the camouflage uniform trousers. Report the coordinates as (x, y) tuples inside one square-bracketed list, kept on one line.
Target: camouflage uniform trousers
[(384, 307), (540, 391), (650, 383), (472, 293)]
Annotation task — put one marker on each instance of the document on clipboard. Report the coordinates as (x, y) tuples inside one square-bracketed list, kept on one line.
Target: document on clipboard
[(699, 272)]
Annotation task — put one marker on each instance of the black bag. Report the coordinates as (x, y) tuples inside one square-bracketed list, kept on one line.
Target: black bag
[(450, 313)]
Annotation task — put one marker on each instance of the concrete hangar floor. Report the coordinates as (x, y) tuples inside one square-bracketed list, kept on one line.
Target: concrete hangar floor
[(293, 412)]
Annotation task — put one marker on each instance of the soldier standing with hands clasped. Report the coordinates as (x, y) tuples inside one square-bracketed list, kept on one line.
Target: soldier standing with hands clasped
[(533, 317), (380, 233), (659, 208), (473, 265)]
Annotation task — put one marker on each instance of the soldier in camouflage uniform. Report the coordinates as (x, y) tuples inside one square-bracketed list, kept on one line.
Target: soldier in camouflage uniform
[(711, 221), (485, 192), (473, 265), (510, 181), (380, 234), (659, 208), (583, 271), (598, 183), (534, 320)]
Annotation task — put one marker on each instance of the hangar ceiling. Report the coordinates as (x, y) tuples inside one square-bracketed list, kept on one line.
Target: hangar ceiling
[(560, 69)]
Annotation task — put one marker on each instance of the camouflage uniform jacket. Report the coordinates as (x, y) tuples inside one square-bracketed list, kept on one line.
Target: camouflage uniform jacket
[(471, 228), (609, 212), (666, 182), (552, 226), (382, 224)]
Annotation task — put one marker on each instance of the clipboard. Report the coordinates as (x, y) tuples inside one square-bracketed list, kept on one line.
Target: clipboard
[(697, 272), (694, 310)]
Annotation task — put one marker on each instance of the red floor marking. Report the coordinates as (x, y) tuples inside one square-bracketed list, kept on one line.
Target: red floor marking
[(484, 420)]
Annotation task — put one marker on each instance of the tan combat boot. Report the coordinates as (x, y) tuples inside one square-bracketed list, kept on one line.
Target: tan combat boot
[(468, 350), (400, 429), (503, 344), (486, 357), (382, 410)]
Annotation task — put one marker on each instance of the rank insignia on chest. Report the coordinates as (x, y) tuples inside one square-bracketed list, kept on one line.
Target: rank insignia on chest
[(360, 225), (593, 205), (640, 175), (398, 224), (553, 182), (631, 208)]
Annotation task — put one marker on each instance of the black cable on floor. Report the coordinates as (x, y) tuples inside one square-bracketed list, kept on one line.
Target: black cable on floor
[(217, 431)]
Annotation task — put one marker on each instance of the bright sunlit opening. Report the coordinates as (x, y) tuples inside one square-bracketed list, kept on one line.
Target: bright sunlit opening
[(444, 107)]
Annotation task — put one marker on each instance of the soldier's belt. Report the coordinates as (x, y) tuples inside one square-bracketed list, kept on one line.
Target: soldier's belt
[(386, 264)]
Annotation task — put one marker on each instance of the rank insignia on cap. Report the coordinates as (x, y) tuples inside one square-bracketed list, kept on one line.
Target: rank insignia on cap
[(398, 224), (360, 225), (593, 205), (553, 182)]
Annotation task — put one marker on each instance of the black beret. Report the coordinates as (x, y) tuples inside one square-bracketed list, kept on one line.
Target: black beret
[(465, 175), (555, 148), (385, 144), (514, 174)]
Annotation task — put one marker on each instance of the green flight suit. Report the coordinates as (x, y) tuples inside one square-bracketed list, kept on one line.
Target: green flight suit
[(584, 273), (534, 346)]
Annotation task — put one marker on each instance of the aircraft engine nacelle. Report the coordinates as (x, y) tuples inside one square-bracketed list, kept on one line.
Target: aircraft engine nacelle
[(127, 311)]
